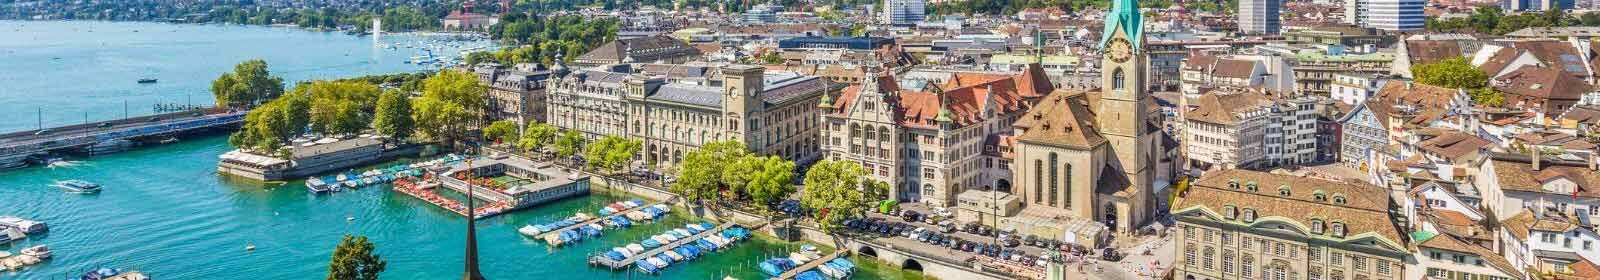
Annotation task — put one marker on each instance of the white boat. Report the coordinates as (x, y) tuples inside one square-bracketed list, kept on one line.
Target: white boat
[(78, 186), (27, 226), (9, 234), (674, 255), (529, 231), (40, 252)]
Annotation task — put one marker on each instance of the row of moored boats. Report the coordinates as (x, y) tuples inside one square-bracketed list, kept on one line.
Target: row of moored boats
[(562, 232), (685, 252), (352, 179), (837, 268), (14, 229)]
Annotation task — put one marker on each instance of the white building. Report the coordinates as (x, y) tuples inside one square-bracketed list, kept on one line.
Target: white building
[(904, 12), (1232, 127), (1356, 88), (1260, 16)]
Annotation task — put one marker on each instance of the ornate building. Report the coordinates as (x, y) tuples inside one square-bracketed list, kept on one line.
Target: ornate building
[(515, 94), (1092, 155), (929, 143), (1241, 224), (772, 113)]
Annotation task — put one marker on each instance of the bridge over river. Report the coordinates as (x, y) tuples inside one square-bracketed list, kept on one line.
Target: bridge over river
[(23, 143)]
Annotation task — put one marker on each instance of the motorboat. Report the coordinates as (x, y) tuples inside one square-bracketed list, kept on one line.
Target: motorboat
[(148, 80), (25, 225), (78, 186)]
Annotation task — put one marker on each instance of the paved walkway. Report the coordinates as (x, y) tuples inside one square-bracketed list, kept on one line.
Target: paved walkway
[(808, 266)]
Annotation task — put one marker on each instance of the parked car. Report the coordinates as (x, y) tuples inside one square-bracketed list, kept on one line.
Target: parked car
[(1110, 254)]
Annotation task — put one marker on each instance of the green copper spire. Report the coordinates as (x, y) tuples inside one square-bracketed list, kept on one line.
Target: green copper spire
[(1124, 15)]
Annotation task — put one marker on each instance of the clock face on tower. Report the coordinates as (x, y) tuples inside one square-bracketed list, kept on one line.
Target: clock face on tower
[(1119, 50)]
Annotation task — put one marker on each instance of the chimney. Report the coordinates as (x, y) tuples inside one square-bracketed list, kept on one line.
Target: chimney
[(1535, 154)]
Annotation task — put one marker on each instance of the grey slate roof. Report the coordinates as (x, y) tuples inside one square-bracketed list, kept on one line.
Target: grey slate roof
[(689, 94)]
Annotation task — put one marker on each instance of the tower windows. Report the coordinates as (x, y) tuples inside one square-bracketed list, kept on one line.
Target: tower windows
[(1117, 79)]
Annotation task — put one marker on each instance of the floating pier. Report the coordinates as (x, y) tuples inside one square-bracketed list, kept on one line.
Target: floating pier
[(808, 266), (601, 260)]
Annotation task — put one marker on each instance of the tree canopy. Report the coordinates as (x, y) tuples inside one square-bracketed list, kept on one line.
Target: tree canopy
[(612, 153), (354, 259), (569, 143), (249, 84), (450, 101), (501, 131), (538, 136), (838, 190), (701, 176), (392, 117), (1458, 73)]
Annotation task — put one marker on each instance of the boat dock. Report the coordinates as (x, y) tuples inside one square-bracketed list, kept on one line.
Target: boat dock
[(594, 220), (813, 264), (625, 263)]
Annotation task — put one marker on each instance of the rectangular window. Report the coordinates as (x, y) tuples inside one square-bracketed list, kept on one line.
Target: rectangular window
[(1383, 267)]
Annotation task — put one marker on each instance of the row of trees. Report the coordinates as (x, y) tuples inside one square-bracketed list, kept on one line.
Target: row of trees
[(542, 38), (727, 171), (1458, 73), (449, 103), (1492, 20)]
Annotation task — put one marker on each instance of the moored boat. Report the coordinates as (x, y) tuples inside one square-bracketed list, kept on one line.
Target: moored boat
[(41, 252), (25, 225), (78, 186)]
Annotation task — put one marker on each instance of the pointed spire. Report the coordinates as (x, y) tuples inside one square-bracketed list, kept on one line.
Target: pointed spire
[(827, 97), (472, 232), (944, 106)]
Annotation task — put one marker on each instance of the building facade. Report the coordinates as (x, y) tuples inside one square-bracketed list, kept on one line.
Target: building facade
[(1260, 16), (1393, 15), (771, 113), (516, 94), (651, 49), (928, 143), (904, 12), (1240, 224), (1245, 128)]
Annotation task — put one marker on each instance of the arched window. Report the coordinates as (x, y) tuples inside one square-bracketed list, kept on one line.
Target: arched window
[(1338, 199), (1066, 176), (1038, 181), (1211, 254), (1055, 179), (1283, 190), (1117, 79), (1227, 262)]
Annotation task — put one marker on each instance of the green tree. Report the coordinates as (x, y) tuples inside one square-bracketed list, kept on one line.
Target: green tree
[(502, 131), (392, 117), (569, 143), (1451, 73), (700, 177), (773, 182), (354, 259), (838, 190), (249, 84), (339, 107), (450, 101), (1487, 97), (538, 136), (611, 154)]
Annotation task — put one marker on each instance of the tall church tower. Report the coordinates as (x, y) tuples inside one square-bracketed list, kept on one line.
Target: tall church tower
[(1122, 117)]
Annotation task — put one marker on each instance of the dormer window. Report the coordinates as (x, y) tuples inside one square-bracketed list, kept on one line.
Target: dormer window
[(1251, 186), (1249, 215), (1338, 229), (1233, 183), (1319, 196), (1338, 199), (1230, 212), (1283, 190), (1316, 226)]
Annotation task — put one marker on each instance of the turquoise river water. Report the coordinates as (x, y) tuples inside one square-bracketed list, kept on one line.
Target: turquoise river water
[(166, 212)]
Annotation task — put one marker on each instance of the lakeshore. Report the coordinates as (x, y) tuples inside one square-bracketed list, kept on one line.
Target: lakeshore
[(165, 212)]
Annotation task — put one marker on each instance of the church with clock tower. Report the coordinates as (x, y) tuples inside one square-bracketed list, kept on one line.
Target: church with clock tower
[(1094, 155)]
